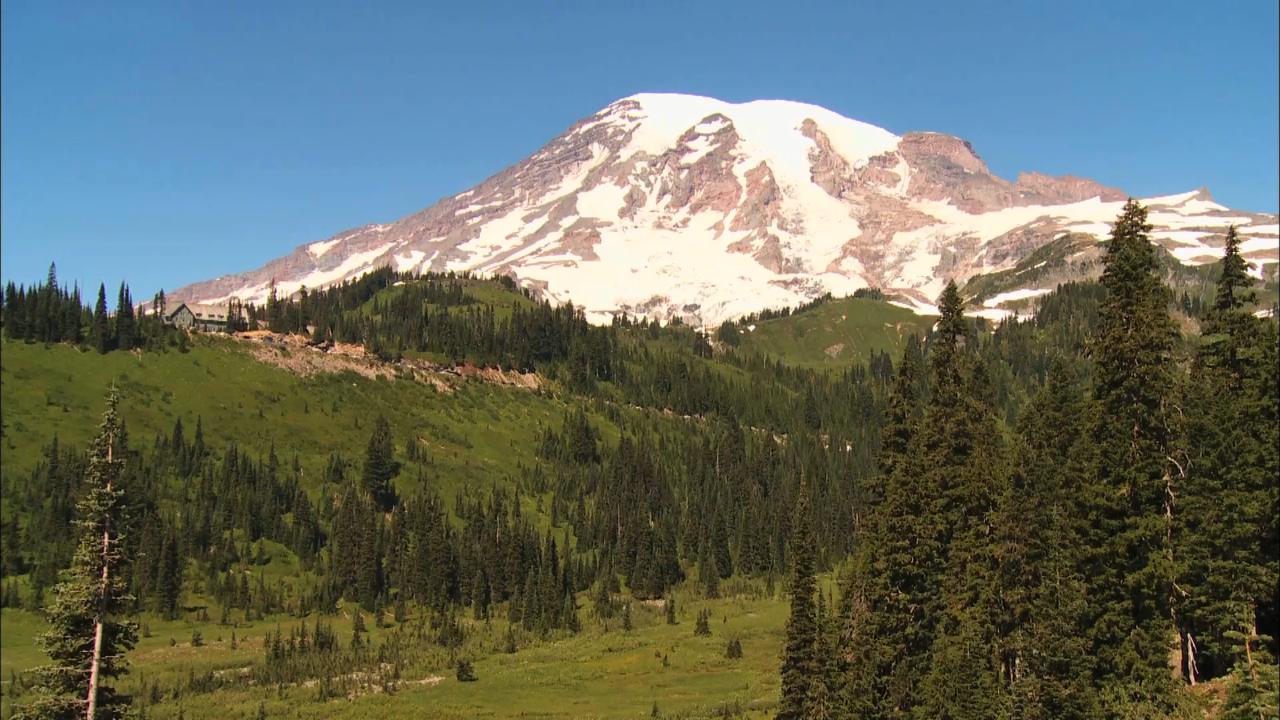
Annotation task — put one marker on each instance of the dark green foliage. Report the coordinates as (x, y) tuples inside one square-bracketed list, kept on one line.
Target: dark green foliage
[(1048, 582), (1227, 546), (703, 625), (380, 466), (577, 443), (1040, 535), (988, 573), (101, 324), (1254, 689), (169, 581), (49, 313), (602, 602), (800, 663), (918, 601), (126, 331), (465, 672), (87, 615), (728, 334), (1132, 433), (436, 314)]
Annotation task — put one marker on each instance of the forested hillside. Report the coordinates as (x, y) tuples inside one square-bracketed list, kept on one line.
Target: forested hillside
[(1072, 515)]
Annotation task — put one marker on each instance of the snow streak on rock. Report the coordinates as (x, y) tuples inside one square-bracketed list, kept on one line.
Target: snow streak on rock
[(676, 205)]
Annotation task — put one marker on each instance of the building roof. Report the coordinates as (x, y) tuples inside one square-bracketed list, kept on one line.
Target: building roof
[(203, 311)]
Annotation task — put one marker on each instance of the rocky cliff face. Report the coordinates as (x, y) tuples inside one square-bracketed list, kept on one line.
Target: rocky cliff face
[(674, 205)]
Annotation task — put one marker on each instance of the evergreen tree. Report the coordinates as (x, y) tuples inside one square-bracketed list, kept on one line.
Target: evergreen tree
[(799, 662), (126, 327), (1039, 539), (1131, 580), (380, 466), (1234, 290), (1254, 690), (101, 323), (1227, 548), (966, 470), (88, 632), (707, 572), (169, 581), (702, 626), (881, 647)]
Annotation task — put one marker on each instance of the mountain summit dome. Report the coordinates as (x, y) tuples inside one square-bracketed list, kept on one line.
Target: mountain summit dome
[(665, 205)]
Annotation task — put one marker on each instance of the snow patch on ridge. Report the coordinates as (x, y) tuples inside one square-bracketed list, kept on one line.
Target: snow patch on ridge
[(356, 263), (318, 249), (1013, 295)]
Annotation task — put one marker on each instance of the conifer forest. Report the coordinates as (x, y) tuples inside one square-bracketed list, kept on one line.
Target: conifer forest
[(444, 495)]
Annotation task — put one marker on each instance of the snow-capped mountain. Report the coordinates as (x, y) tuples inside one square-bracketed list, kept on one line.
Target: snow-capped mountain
[(668, 205)]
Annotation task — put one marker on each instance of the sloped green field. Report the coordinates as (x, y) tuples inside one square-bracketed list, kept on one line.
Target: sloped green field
[(476, 434), (835, 334)]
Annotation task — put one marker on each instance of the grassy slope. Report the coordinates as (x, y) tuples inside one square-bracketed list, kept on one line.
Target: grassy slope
[(813, 338), (476, 434)]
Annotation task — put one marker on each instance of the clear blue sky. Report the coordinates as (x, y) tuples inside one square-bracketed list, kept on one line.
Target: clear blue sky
[(167, 142)]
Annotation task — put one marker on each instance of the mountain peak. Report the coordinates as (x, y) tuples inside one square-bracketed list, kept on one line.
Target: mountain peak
[(665, 205)]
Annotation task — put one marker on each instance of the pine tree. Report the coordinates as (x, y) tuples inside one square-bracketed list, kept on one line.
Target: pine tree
[(965, 471), (886, 578), (822, 702), (380, 466), (799, 662), (702, 626), (126, 328), (1254, 691), (101, 323), (88, 634), (707, 572), (1131, 581), (1039, 540), (1234, 290), (1227, 551), (169, 581), (602, 602)]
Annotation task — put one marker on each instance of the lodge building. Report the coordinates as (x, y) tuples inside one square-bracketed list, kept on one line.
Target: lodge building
[(199, 316)]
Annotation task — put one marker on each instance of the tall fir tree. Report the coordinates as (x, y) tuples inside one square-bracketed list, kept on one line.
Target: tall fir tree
[(89, 631), (1039, 542), (102, 337), (380, 465), (126, 327), (964, 468), (872, 620), (1131, 580), (800, 664), (1227, 549)]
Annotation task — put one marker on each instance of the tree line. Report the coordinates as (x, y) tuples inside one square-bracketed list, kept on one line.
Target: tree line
[(1117, 547)]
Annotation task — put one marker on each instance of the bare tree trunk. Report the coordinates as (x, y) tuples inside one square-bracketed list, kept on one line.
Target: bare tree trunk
[(1193, 668), (102, 596), (1248, 654)]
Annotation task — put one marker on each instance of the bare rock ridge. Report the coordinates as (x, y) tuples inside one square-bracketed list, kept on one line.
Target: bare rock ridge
[(675, 205)]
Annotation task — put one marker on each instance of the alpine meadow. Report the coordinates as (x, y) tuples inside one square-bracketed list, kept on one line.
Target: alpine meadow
[(702, 409)]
